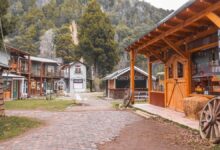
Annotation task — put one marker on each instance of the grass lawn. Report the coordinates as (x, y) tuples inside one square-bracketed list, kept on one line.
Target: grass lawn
[(14, 126), (50, 105)]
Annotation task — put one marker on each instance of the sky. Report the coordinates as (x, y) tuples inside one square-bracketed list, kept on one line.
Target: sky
[(167, 4)]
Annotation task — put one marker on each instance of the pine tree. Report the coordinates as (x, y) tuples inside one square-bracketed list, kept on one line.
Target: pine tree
[(96, 40), (4, 22), (65, 47)]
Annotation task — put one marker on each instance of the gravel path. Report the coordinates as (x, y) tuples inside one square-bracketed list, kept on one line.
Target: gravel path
[(70, 130)]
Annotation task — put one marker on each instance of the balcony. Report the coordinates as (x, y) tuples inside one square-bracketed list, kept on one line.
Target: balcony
[(56, 74), (35, 73)]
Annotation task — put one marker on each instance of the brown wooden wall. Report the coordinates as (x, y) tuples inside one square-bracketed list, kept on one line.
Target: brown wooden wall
[(157, 98), (1, 97)]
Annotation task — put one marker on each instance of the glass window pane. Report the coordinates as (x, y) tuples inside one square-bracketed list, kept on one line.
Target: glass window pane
[(180, 69)]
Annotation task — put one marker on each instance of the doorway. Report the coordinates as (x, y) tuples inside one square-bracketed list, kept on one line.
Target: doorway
[(176, 83)]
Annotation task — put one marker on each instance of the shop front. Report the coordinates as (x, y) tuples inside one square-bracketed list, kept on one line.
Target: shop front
[(187, 44), (14, 86)]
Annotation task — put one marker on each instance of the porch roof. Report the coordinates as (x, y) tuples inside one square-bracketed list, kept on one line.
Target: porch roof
[(16, 51), (120, 72), (10, 75), (194, 20), (45, 60)]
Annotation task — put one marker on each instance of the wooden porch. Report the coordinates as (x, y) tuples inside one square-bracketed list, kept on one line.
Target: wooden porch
[(192, 28)]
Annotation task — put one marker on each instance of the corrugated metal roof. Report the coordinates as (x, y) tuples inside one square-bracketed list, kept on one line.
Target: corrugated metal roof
[(120, 72)]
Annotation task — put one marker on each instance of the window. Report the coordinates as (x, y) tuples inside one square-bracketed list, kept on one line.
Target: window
[(158, 77), (78, 70), (206, 72), (170, 71), (180, 69)]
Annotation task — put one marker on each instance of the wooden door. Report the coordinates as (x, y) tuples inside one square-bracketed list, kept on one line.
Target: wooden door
[(176, 83), (15, 89)]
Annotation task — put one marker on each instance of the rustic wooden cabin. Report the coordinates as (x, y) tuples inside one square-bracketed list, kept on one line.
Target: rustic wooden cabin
[(17, 80), (3, 67), (187, 43), (119, 81), (44, 74), (14, 86)]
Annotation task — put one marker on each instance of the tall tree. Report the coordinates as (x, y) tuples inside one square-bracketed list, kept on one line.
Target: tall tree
[(96, 40), (3, 21), (65, 47)]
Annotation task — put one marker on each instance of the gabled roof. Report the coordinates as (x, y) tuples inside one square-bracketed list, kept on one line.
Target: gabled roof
[(196, 19), (120, 72), (72, 63), (45, 60)]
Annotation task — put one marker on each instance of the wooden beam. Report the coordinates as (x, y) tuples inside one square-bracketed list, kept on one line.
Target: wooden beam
[(153, 53), (206, 46), (175, 48), (189, 21), (205, 2), (214, 18), (194, 37), (29, 77), (132, 77), (149, 79)]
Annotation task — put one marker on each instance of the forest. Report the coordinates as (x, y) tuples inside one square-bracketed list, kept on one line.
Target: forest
[(37, 21)]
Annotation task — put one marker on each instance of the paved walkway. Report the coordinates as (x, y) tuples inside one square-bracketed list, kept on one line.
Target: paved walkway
[(169, 114), (90, 102), (71, 130)]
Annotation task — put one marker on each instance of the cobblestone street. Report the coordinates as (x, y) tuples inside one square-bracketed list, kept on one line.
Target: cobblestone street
[(79, 130)]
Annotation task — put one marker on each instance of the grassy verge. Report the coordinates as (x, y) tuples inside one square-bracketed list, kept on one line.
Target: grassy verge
[(14, 126), (50, 105), (116, 104)]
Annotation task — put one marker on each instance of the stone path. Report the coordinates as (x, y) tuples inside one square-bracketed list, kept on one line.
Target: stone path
[(80, 130), (92, 101)]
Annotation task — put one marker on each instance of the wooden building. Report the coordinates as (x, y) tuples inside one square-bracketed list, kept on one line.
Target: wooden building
[(119, 81), (3, 67), (187, 43), (45, 73), (17, 79), (75, 77), (14, 86)]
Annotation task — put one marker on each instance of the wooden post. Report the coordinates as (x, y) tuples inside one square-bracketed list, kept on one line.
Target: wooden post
[(2, 110), (189, 71), (41, 78), (132, 78), (165, 85), (29, 76), (149, 78)]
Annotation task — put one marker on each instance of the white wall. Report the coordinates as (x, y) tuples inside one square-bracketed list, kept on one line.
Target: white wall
[(4, 58), (73, 76)]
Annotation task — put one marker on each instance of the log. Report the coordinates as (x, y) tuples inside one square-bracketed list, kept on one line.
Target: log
[(193, 106)]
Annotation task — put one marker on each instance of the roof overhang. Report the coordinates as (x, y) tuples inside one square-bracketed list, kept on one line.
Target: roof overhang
[(194, 20)]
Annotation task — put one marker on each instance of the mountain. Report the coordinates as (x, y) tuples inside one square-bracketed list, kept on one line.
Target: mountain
[(130, 18)]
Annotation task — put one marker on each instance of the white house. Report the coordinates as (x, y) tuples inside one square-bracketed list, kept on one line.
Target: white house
[(75, 77)]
